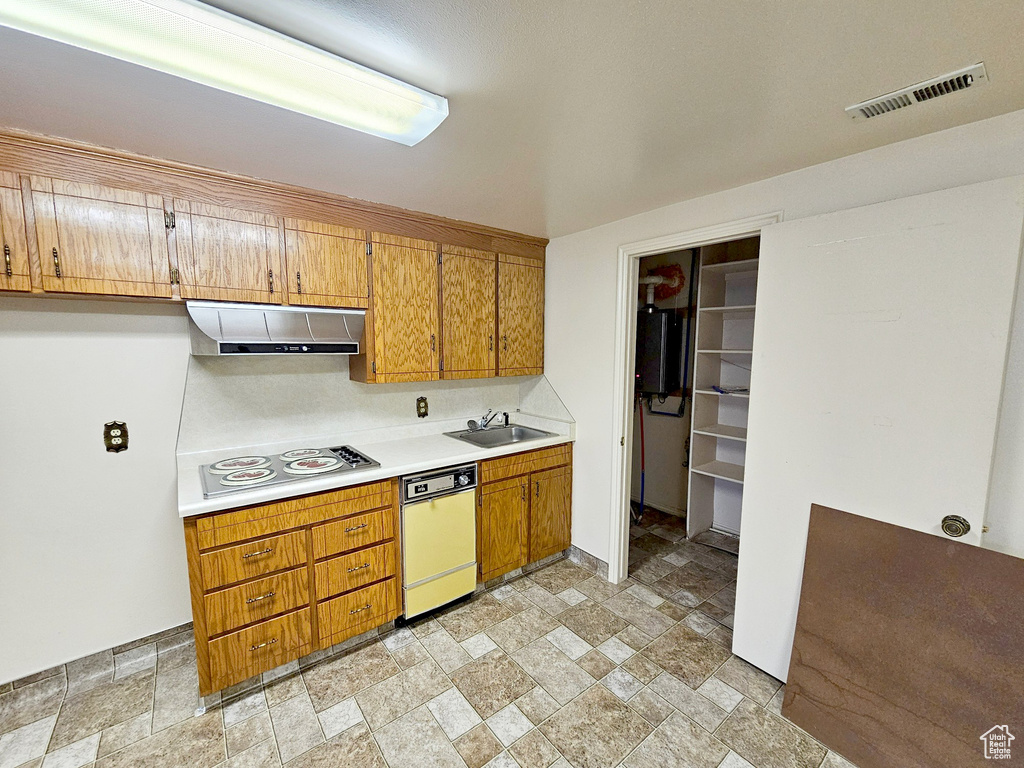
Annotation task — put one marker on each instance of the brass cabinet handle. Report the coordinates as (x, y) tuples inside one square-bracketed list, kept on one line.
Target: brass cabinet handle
[(261, 597), (263, 645), (270, 277), (432, 346), (359, 567), (504, 342), (538, 490), (490, 343), (523, 489), (7, 260), (298, 281), (266, 551), (56, 264), (355, 528), (364, 608)]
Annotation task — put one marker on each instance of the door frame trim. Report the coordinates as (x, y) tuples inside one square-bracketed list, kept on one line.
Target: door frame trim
[(627, 285)]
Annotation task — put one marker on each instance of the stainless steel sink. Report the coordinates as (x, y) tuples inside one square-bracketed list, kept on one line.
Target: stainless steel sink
[(496, 437)]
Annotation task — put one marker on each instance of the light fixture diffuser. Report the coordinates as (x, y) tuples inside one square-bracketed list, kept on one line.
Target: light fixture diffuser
[(206, 45)]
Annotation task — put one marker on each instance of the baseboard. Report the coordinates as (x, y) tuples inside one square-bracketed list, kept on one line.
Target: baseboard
[(661, 507)]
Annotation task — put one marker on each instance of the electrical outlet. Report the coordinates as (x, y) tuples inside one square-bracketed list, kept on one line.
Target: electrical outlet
[(115, 436), (421, 407)]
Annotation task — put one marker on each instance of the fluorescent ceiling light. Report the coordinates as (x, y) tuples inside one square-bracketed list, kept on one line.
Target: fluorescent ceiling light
[(206, 45)]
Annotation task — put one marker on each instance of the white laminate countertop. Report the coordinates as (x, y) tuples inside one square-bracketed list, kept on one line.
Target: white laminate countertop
[(400, 451)]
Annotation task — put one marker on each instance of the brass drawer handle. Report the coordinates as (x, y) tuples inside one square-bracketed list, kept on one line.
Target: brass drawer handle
[(262, 645), (359, 567), (298, 281), (355, 528), (56, 264), (7, 260), (261, 597), (364, 608), (266, 551)]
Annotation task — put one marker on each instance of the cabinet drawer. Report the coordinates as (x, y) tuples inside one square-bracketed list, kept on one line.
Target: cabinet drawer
[(266, 519), (524, 463), (256, 558), (346, 572), (351, 614), (352, 532), (256, 649), (256, 600)]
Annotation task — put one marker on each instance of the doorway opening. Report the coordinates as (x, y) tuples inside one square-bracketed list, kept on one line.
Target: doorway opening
[(685, 313), (694, 348)]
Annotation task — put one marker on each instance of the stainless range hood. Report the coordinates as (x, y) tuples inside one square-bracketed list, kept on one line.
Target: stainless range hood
[(217, 328)]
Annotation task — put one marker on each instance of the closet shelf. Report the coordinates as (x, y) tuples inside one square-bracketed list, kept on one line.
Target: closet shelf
[(725, 351), (740, 309), (745, 395), (724, 431), (722, 470), (732, 267)]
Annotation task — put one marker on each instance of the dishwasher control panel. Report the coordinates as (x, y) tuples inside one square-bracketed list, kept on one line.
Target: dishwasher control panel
[(439, 483)]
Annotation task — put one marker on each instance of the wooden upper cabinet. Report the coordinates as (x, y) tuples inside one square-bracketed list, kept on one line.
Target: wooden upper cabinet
[(550, 512), (404, 325), (14, 269), (97, 239), (326, 264), (520, 316), (468, 312), (228, 254)]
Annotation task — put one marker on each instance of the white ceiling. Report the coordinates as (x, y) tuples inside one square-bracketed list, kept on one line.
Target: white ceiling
[(564, 114)]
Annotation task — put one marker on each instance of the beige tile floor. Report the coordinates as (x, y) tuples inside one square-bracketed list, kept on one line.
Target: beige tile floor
[(558, 668)]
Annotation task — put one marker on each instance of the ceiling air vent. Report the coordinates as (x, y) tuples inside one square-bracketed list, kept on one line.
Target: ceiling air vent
[(960, 80)]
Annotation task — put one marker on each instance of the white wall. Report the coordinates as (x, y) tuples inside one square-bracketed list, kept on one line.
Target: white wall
[(581, 277), (91, 547)]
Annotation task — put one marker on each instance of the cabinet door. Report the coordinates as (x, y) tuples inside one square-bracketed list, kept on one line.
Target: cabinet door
[(227, 254), (468, 309), (520, 316), (550, 512), (405, 309), (95, 239), (14, 270), (326, 264), (501, 540)]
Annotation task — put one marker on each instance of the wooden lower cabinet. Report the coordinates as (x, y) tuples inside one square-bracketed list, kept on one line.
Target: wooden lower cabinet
[(524, 512), (353, 613), (501, 527), (550, 512), (247, 652), (254, 558), (256, 600), (317, 570)]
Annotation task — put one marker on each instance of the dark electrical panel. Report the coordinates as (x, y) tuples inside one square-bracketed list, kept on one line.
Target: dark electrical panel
[(659, 341)]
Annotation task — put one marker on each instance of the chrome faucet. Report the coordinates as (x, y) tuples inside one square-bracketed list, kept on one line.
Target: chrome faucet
[(483, 421)]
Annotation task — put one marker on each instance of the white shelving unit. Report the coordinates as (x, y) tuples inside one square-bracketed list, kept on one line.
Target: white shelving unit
[(718, 438)]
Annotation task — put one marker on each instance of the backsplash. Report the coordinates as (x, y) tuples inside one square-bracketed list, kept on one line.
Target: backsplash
[(230, 402)]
